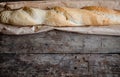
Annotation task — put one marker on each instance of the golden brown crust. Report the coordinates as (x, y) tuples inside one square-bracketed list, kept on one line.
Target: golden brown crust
[(101, 9), (61, 16), (58, 16)]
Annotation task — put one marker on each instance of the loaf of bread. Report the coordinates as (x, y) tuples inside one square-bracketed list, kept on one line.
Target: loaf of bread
[(61, 16)]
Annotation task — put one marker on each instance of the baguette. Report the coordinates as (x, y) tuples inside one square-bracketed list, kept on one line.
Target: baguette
[(61, 16)]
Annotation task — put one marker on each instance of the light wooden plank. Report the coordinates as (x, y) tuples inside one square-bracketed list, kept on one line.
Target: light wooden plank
[(59, 42)]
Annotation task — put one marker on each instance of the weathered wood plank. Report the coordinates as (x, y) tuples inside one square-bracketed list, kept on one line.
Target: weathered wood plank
[(59, 65), (59, 42)]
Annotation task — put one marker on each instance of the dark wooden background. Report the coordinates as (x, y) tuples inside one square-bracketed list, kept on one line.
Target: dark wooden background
[(59, 54)]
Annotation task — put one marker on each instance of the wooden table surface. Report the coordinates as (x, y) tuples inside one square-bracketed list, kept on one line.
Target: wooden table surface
[(59, 54), (59, 42)]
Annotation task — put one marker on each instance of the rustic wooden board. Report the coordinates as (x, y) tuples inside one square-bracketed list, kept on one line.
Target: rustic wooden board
[(59, 65), (59, 42)]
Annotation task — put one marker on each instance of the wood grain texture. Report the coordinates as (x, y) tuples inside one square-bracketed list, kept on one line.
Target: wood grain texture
[(59, 65), (59, 42)]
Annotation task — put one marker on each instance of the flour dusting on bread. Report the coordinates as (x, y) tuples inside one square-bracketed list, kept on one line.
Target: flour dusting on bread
[(61, 16)]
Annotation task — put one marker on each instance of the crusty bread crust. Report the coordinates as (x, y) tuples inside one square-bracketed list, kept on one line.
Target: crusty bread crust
[(112, 17), (101, 9), (61, 16)]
